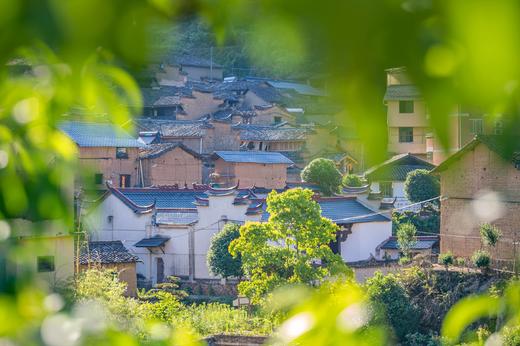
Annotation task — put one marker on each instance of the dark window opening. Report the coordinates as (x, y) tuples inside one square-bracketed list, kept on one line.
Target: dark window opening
[(405, 134), (98, 178), (121, 153), (124, 180), (406, 107), (277, 120), (45, 264), (386, 188)]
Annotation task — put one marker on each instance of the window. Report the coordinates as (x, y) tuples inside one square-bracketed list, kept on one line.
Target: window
[(45, 264), (476, 126), (405, 134), (405, 106), (124, 180), (277, 120), (499, 127), (121, 153), (98, 178), (386, 188)]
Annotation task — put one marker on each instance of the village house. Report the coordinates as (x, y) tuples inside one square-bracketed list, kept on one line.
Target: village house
[(199, 68), (170, 229), (46, 251), (480, 183), (427, 246), (108, 152), (110, 255), (408, 122), (251, 168), (387, 179), (169, 164)]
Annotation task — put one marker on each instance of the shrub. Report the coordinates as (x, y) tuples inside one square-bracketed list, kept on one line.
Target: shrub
[(406, 238), (481, 259), (392, 303), (352, 180), (323, 172), (420, 185), (219, 259), (489, 234), (446, 259), (460, 261), (511, 336), (424, 223)]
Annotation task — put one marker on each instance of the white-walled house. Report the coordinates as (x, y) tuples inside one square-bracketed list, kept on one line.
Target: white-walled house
[(170, 229), (387, 178)]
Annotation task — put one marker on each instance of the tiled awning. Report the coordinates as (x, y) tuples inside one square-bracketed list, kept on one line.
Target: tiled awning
[(154, 241)]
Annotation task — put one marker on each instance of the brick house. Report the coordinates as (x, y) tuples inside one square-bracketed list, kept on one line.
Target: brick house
[(169, 164), (486, 164), (252, 168), (106, 151), (112, 255)]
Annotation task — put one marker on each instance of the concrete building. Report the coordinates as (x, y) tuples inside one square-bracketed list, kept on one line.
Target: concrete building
[(408, 122), (252, 168), (170, 229), (106, 151), (169, 164), (480, 183), (45, 251)]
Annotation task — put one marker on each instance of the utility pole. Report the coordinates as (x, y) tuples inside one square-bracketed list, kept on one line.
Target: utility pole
[(211, 63)]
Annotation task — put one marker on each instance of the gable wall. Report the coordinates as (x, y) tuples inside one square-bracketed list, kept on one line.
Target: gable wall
[(173, 167)]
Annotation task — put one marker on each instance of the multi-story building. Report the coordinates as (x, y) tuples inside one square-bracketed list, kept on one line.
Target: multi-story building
[(408, 122)]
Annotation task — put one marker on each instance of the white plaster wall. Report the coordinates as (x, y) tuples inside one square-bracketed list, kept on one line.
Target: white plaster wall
[(364, 239)]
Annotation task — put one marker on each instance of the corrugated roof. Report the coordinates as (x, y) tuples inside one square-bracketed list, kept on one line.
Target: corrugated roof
[(90, 134), (265, 157), (105, 252), (182, 218), (402, 92), (271, 133), (397, 168), (423, 243), (154, 241)]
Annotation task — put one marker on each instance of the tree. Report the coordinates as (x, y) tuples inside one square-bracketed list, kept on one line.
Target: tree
[(323, 172), (489, 234), (352, 180), (481, 259), (292, 247), (420, 185), (220, 261), (406, 238)]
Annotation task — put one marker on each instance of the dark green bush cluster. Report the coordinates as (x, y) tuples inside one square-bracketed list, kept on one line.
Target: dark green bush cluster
[(446, 259), (352, 180), (481, 259), (429, 223)]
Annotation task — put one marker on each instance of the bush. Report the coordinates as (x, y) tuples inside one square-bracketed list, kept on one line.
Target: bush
[(489, 234), (323, 172), (392, 303), (406, 238), (446, 259), (424, 223), (460, 261), (219, 259), (352, 180), (420, 185), (481, 259), (511, 336)]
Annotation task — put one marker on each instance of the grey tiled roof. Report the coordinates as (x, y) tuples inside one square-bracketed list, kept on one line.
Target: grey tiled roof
[(265, 157), (174, 128), (155, 150), (105, 252), (164, 95), (294, 156), (344, 210), (196, 61), (397, 168), (402, 92), (423, 243), (154, 241), (86, 134), (164, 198), (271, 133), (299, 88)]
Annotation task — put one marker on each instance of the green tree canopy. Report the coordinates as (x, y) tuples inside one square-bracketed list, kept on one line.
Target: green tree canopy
[(292, 247), (420, 185), (489, 234), (220, 260), (323, 172)]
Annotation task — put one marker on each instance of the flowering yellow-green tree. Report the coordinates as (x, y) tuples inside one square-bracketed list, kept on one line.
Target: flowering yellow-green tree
[(292, 247)]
